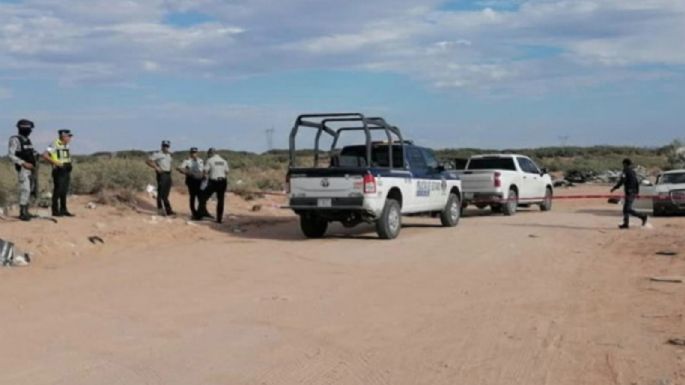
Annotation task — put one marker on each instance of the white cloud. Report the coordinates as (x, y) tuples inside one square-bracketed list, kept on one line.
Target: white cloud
[(507, 45)]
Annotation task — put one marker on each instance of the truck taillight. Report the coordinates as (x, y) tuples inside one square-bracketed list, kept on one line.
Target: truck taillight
[(498, 179), (287, 184), (369, 184)]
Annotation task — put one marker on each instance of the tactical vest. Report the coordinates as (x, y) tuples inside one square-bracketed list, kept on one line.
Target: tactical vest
[(25, 151), (61, 153)]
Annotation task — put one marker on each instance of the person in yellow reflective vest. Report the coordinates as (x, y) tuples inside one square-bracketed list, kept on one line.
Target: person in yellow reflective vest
[(59, 155)]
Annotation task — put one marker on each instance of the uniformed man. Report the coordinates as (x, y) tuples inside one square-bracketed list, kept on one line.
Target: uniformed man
[(631, 186), (23, 155), (161, 162), (193, 169), (216, 170), (59, 155)]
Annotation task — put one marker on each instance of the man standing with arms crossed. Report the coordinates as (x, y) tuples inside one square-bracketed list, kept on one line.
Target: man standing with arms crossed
[(59, 155), (161, 163), (631, 185), (23, 155)]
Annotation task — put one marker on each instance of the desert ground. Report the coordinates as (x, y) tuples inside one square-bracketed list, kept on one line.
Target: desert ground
[(558, 298)]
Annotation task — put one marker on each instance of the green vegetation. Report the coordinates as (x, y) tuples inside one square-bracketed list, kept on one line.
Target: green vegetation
[(118, 176)]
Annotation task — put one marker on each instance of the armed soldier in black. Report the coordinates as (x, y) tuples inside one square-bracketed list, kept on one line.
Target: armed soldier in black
[(23, 155), (631, 185)]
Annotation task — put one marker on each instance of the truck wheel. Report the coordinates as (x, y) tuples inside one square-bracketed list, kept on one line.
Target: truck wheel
[(389, 224), (313, 226), (512, 204), (546, 205), (452, 212)]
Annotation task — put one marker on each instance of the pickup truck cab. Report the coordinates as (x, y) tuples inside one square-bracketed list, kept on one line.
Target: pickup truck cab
[(666, 196), (504, 182), (375, 183)]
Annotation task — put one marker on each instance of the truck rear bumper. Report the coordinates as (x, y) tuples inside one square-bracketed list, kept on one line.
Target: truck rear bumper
[(483, 198), (356, 203)]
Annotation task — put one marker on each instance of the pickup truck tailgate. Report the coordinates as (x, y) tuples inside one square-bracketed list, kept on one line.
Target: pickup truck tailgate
[(326, 187), (478, 180)]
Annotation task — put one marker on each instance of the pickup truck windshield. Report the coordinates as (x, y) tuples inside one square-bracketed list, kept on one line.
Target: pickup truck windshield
[(355, 156), (492, 164), (672, 178)]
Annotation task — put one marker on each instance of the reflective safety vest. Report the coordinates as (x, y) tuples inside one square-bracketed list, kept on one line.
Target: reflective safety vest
[(60, 152)]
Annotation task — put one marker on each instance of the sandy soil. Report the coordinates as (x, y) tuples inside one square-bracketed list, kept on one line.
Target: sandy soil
[(540, 298)]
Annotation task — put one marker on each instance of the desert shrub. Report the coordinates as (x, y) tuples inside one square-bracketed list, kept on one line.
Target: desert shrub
[(96, 175)]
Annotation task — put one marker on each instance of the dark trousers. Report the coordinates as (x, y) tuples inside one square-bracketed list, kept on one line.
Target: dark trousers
[(194, 191), (628, 209), (217, 187), (163, 190), (61, 178)]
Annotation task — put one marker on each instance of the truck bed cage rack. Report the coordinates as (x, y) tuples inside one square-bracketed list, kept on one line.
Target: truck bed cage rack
[(321, 123)]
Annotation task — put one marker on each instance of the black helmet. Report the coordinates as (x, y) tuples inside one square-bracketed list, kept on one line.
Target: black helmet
[(25, 127)]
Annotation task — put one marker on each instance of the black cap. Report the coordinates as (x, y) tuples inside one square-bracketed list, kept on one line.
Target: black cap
[(627, 162), (193, 149), (211, 149), (65, 132), (166, 143), (25, 124)]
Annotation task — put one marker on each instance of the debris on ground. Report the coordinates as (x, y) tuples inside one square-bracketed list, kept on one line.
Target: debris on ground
[(615, 200), (676, 341), (667, 279), (238, 230), (533, 236), (563, 183), (10, 256), (256, 208), (91, 206), (667, 253), (95, 239)]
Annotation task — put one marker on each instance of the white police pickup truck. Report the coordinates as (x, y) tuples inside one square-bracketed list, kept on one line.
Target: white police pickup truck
[(505, 182), (376, 182)]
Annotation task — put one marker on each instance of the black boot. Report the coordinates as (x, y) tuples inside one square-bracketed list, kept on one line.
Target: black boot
[(24, 213), (66, 213), (644, 220), (624, 226)]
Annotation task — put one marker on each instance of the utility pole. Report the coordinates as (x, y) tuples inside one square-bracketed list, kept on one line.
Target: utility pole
[(270, 139), (563, 140)]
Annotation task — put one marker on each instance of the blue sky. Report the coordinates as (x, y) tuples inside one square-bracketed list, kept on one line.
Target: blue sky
[(458, 73)]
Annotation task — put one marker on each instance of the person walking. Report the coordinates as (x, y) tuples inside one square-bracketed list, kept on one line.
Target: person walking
[(161, 162), (193, 169), (59, 155), (216, 170), (631, 186), (22, 154)]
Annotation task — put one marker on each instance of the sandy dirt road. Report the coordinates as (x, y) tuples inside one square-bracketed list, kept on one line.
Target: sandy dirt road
[(540, 298)]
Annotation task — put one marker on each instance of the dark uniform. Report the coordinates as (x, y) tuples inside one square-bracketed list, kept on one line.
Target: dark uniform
[(21, 152), (216, 169), (193, 169), (60, 154), (631, 185)]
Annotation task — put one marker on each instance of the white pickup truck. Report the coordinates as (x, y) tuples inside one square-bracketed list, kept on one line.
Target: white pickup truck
[(504, 182), (666, 196), (376, 183)]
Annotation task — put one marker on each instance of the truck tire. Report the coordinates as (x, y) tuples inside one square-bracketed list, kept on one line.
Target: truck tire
[(388, 226), (512, 204), (313, 226), (449, 217), (546, 205)]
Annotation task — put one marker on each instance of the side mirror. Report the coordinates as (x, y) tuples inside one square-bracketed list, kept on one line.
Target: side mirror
[(544, 171)]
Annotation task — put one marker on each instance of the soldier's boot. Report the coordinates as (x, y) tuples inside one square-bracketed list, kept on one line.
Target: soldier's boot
[(24, 213), (644, 218)]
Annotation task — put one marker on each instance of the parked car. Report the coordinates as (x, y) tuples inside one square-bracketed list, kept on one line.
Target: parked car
[(666, 196), (375, 182), (505, 182)]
